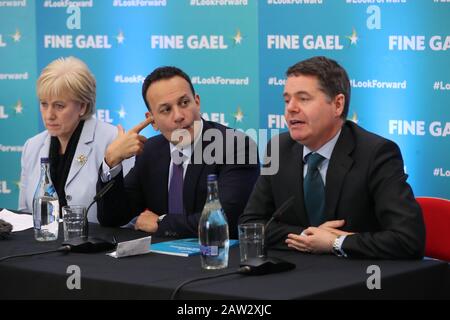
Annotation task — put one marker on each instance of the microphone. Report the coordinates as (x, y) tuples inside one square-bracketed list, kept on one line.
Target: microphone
[(92, 244), (89, 245), (97, 197), (266, 265), (279, 212), (100, 194), (260, 266)]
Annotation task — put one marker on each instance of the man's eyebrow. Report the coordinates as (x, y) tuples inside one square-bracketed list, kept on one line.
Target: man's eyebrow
[(184, 96), (296, 93), (164, 104)]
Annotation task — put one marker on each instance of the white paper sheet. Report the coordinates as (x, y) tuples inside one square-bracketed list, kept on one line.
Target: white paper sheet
[(132, 248), (19, 222)]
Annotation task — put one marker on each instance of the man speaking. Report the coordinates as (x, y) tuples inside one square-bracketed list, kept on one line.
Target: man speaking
[(349, 187)]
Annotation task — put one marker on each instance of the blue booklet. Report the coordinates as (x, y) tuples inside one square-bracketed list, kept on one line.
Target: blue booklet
[(182, 247)]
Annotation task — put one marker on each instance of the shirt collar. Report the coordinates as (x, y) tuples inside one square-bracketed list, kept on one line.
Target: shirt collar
[(326, 150), (187, 150)]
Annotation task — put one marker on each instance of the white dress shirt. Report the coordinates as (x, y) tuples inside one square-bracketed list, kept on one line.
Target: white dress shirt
[(325, 151)]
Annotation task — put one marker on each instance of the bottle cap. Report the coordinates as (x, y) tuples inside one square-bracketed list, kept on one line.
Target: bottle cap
[(212, 177), (44, 160)]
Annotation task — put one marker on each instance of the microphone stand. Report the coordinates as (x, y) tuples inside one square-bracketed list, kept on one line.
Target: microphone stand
[(78, 245), (279, 212), (259, 266), (97, 197), (92, 244)]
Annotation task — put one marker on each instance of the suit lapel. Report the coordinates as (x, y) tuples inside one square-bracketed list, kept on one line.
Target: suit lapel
[(45, 149), (193, 173), (293, 177), (340, 164), (83, 149), (161, 179)]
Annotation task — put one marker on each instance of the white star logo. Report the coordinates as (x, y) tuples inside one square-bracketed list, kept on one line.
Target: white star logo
[(120, 38), (18, 108), (239, 115), (16, 36), (2, 44), (122, 112), (17, 184), (353, 38), (238, 37), (354, 118)]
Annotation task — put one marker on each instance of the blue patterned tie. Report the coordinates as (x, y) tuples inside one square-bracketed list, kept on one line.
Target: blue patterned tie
[(176, 187), (314, 190)]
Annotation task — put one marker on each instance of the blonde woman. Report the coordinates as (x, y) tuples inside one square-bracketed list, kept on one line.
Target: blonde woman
[(75, 142)]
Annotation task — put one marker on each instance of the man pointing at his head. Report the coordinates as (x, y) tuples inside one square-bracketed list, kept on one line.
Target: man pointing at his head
[(166, 190)]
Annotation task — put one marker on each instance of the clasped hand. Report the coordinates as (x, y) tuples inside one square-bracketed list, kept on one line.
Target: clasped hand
[(147, 221), (317, 239)]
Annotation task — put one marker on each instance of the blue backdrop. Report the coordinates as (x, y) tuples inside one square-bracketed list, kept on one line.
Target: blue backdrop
[(397, 54)]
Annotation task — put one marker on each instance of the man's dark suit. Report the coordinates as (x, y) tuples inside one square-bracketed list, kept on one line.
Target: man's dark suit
[(365, 185), (145, 186)]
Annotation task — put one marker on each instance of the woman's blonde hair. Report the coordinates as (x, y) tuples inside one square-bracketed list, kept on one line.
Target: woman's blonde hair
[(68, 77)]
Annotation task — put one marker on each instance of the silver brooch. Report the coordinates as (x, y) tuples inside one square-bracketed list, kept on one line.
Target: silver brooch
[(81, 159)]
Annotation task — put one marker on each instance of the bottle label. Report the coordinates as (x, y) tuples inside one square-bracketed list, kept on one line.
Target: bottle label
[(51, 190), (210, 251)]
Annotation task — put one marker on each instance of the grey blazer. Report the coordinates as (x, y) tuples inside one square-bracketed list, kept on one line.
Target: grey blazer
[(82, 178)]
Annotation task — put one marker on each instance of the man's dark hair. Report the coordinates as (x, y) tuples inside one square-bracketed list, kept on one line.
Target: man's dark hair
[(163, 73), (333, 79)]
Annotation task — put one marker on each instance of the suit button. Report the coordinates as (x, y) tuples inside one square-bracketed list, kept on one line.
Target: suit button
[(68, 197)]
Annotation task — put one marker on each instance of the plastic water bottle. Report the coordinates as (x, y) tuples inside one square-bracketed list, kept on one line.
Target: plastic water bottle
[(213, 230), (45, 206)]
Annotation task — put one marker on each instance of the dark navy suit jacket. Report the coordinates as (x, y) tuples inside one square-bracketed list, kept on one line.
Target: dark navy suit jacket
[(146, 185), (365, 185)]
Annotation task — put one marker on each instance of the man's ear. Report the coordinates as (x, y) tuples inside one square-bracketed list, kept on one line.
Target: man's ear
[(339, 102), (148, 114), (197, 102), (197, 99)]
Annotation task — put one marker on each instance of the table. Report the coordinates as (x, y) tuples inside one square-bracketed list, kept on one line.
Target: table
[(154, 276)]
